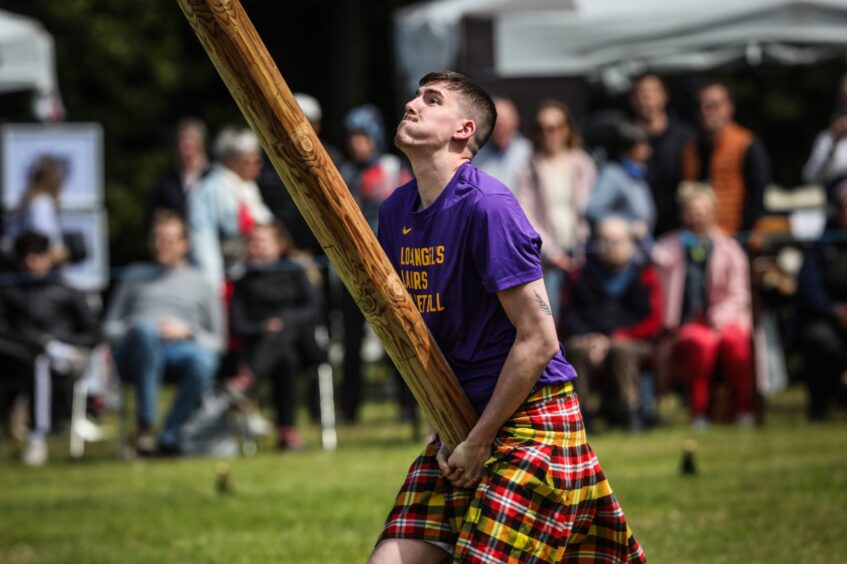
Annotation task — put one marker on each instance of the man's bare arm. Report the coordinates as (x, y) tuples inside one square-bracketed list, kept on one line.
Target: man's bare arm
[(535, 344)]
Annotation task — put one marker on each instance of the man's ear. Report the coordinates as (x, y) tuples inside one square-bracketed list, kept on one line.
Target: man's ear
[(466, 130)]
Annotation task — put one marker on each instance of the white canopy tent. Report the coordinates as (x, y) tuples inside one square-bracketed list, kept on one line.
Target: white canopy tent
[(27, 63), (612, 39)]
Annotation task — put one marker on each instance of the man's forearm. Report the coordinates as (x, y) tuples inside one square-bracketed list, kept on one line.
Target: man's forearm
[(526, 361)]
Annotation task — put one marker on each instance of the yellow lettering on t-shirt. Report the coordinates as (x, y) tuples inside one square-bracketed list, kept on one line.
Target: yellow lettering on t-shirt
[(429, 303), (422, 256)]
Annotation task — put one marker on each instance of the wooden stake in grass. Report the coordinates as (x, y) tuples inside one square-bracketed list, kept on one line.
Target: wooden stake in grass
[(333, 215)]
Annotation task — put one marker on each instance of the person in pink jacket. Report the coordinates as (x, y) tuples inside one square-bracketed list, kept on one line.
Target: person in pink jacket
[(707, 306), (554, 191)]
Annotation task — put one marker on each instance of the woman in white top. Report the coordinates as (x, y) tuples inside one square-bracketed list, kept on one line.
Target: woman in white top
[(554, 191), (38, 210)]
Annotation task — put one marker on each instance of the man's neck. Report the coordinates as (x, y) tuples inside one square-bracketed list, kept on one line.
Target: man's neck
[(656, 123), (194, 165), (714, 135), (433, 173), (174, 265)]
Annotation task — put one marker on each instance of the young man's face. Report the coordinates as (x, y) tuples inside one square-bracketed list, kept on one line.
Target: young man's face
[(432, 119)]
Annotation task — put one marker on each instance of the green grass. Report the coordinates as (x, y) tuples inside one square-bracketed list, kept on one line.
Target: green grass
[(771, 494)]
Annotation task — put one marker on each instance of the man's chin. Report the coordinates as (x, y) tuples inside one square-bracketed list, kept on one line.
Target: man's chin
[(401, 141)]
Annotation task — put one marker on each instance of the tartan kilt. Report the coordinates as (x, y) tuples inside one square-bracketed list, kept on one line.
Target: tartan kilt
[(542, 498)]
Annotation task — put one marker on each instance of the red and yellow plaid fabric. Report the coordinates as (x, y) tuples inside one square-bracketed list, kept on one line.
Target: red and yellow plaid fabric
[(543, 496)]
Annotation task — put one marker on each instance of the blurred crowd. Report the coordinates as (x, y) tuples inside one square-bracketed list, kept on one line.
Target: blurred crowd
[(648, 237)]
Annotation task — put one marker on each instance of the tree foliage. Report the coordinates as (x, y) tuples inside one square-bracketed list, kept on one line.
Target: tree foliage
[(135, 67)]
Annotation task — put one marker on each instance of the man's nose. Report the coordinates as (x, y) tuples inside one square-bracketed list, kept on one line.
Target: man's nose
[(410, 106)]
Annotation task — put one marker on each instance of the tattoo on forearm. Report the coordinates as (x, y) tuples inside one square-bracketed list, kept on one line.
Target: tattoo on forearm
[(542, 304)]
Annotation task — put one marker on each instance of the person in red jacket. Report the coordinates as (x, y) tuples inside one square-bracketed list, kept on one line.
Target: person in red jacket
[(612, 316)]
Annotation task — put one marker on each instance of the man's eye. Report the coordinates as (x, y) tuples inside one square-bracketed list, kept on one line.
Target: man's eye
[(434, 101)]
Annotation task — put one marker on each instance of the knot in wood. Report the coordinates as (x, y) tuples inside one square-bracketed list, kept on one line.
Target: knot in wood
[(303, 140)]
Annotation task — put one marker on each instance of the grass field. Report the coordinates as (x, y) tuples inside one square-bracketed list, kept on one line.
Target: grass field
[(771, 494)]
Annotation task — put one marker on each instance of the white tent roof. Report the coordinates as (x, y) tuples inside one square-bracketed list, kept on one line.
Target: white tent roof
[(611, 39), (26, 58)]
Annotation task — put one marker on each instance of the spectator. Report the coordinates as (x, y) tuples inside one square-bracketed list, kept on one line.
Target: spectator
[(707, 310), (38, 210), (728, 157), (370, 172), (554, 192), (192, 165), (274, 312), (828, 162), (822, 302), (372, 175), (226, 204), (612, 316), (621, 189), (165, 318), (54, 326), (667, 136), (276, 195), (507, 153)]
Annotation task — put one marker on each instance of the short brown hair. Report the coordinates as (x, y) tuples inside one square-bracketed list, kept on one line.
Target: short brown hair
[(167, 216), (478, 101)]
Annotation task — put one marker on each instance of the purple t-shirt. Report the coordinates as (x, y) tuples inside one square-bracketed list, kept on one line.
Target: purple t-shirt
[(453, 258)]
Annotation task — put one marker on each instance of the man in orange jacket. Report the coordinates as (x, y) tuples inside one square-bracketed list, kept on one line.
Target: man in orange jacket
[(728, 157)]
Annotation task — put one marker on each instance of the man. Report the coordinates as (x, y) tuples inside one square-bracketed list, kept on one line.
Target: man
[(507, 153), (192, 164), (728, 157), (472, 263), (707, 306), (165, 318), (612, 316), (667, 135), (822, 304)]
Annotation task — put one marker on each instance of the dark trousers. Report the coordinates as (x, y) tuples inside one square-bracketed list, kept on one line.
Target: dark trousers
[(825, 352), (354, 334), (273, 357), (622, 363), (352, 384)]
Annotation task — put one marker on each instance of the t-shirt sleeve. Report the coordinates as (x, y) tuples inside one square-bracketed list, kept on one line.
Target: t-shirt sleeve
[(505, 247)]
